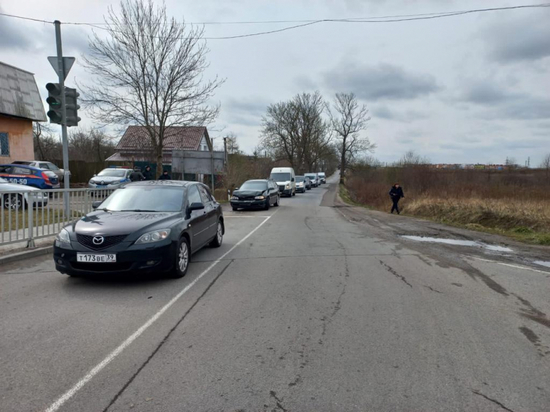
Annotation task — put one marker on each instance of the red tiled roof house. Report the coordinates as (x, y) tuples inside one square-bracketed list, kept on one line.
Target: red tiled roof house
[(135, 144)]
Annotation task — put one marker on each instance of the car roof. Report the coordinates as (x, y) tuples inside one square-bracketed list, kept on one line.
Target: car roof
[(259, 180), (165, 183), (36, 169)]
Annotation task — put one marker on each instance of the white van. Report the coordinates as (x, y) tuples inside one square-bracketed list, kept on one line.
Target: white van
[(322, 177), (286, 180)]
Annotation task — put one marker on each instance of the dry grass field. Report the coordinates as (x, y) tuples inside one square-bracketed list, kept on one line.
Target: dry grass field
[(515, 203)]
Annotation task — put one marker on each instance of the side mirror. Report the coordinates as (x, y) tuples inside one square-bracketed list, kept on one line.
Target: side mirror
[(292, 180), (195, 206), (96, 204)]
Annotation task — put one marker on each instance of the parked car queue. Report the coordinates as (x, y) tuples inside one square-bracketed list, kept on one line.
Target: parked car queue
[(264, 193)]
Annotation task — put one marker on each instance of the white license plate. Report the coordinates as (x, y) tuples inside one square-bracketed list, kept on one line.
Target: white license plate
[(96, 258)]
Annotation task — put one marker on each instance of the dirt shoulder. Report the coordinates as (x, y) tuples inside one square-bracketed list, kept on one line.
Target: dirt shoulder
[(400, 228)]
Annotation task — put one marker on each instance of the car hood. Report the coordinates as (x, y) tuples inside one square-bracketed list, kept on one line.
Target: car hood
[(247, 193), (102, 223), (106, 179), (14, 187)]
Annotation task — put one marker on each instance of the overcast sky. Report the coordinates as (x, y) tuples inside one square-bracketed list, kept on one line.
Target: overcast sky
[(466, 89)]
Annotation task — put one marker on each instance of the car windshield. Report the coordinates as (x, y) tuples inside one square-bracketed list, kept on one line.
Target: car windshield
[(300, 178), (280, 177), (52, 166), (251, 185), (113, 172), (145, 199), (311, 177)]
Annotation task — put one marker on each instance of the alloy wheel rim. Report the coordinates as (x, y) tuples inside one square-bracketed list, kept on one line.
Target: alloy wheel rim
[(183, 257), (13, 202)]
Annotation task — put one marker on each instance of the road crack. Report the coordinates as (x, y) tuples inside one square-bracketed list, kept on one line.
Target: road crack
[(394, 273), (278, 402), (165, 339), (492, 400)]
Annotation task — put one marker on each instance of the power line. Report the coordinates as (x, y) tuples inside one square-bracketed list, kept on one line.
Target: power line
[(305, 23)]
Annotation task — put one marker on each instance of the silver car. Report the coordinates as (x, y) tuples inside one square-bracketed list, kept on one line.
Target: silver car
[(60, 173), (110, 178), (14, 196)]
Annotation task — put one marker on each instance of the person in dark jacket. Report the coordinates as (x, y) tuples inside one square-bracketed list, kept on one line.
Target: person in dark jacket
[(136, 175), (396, 193), (165, 176), (148, 173)]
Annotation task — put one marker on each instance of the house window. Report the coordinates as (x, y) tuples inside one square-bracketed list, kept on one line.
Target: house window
[(4, 145)]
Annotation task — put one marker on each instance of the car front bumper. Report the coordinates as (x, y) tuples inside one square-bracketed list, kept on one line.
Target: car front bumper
[(129, 260), (251, 204)]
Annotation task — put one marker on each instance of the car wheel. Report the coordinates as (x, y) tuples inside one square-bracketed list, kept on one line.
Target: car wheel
[(182, 258), (277, 201), (293, 194), (218, 239), (266, 207), (13, 201)]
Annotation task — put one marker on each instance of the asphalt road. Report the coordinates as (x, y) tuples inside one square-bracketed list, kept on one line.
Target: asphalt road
[(305, 307)]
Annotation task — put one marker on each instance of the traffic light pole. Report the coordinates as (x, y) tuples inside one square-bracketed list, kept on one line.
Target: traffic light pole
[(64, 137)]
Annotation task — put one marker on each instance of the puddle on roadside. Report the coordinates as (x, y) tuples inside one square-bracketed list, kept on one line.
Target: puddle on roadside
[(456, 242), (542, 263)]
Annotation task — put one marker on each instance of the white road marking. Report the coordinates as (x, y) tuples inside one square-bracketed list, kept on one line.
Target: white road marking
[(100, 366), (510, 265), (225, 216)]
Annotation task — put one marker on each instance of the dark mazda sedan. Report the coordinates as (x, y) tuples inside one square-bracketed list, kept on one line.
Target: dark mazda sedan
[(151, 226), (256, 194)]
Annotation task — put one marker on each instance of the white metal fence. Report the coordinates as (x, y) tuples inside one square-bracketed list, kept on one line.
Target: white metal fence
[(28, 215)]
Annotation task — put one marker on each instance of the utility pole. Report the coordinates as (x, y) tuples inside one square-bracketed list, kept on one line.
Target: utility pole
[(61, 76)]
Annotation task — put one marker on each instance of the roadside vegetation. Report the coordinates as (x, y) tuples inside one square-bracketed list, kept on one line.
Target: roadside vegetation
[(514, 202)]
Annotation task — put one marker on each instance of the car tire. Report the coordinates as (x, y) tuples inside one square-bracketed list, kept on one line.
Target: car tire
[(218, 239), (13, 201), (293, 194), (266, 207), (277, 201), (181, 259)]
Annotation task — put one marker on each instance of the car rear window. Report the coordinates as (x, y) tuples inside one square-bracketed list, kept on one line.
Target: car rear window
[(254, 186)]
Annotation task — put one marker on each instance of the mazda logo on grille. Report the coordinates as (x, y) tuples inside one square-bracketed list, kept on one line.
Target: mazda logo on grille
[(98, 240), (103, 183)]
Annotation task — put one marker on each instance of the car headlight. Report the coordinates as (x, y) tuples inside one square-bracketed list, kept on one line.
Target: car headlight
[(288, 185), (63, 237), (155, 236), (259, 197), (234, 198)]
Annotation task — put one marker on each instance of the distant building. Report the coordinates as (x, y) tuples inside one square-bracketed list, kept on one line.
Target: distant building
[(135, 144), (20, 105)]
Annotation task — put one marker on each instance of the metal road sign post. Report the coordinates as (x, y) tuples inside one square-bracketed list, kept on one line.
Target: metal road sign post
[(63, 66)]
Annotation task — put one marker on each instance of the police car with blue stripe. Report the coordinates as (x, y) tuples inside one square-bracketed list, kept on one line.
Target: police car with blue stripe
[(110, 178), (29, 176)]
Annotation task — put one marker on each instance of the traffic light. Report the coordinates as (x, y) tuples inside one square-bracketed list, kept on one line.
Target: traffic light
[(71, 102), (54, 101)]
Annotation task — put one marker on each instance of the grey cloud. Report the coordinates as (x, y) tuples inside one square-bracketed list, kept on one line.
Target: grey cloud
[(408, 116), (520, 39), (246, 111), (384, 81), (13, 36), (502, 103)]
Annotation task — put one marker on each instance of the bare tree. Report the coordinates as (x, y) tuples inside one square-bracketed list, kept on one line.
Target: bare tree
[(46, 146), (232, 144), (411, 158), (347, 122), (148, 72), (295, 131), (91, 145), (545, 164)]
